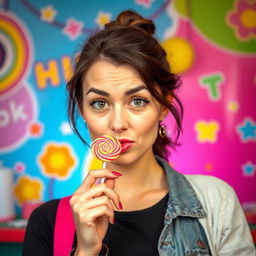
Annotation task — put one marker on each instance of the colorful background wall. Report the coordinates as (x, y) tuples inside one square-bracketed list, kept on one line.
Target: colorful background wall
[(212, 46)]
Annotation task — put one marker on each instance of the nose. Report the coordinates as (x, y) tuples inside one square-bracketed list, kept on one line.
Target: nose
[(119, 120)]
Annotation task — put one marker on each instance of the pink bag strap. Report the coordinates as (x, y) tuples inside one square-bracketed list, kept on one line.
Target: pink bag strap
[(64, 229)]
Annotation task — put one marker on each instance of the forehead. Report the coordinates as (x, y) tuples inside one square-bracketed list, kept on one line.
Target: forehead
[(104, 72)]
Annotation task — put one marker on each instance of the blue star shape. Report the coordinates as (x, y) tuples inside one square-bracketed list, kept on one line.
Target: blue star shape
[(248, 169), (247, 131)]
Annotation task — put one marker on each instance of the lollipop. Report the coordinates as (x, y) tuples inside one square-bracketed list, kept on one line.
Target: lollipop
[(106, 148)]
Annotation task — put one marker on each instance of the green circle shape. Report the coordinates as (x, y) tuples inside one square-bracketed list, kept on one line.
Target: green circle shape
[(210, 18)]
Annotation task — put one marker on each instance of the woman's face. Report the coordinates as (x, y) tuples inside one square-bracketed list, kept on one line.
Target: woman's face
[(116, 102)]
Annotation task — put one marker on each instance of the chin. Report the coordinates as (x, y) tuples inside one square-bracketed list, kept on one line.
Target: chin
[(123, 160), (128, 158)]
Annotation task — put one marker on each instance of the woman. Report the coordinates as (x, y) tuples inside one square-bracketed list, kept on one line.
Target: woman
[(122, 86)]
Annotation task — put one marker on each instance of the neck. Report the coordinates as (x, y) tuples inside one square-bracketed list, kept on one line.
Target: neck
[(141, 176)]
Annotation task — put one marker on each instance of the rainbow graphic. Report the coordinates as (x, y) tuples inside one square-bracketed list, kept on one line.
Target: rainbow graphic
[(14, 52)]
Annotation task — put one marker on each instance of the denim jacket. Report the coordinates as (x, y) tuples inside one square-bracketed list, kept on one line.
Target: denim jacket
[(182, 233)]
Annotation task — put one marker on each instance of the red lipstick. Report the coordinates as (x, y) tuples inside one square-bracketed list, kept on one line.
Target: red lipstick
[(126, 144)]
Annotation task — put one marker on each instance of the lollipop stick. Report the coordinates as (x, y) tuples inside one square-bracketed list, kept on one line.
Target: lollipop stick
[(104, 165), (101, 180)]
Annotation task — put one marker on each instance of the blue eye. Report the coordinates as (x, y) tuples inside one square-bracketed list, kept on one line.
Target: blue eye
[(98, 104), (139, 102)]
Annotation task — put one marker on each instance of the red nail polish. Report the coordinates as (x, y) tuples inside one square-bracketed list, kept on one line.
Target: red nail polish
[(113, 221), (120, 205), (117, 173)]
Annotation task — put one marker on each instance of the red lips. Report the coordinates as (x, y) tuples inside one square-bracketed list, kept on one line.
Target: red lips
[(126, 144)]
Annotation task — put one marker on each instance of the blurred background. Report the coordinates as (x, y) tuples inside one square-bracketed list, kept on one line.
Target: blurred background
[(210, 44)]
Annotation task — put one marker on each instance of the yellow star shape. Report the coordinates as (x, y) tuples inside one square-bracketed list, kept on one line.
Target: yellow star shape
[(48, 14), (207, 131), (102, 19), (233, 106)]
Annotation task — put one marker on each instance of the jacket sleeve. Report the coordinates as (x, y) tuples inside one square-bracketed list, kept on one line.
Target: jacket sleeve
[(226, 227), (236, 237)]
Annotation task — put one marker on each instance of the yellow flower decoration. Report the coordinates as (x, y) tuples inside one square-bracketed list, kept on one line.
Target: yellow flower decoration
[(207, 131), (57, 160), (102, 19), (233, 106), (48, 14), (28, 189)]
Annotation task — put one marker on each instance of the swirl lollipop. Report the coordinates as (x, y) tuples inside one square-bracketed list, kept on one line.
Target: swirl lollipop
[(106, 148)]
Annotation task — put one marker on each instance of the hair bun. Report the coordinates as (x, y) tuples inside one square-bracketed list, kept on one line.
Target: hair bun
[(132, 19)]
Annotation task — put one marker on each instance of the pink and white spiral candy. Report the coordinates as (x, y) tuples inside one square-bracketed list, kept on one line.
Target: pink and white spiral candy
[(106, 148)]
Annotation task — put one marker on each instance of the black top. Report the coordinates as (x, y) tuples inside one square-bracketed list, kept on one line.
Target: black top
[(134, 233)]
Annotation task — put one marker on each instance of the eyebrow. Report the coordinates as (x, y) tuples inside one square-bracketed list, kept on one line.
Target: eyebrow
[(129, 92), (97, 91), (136, 89)]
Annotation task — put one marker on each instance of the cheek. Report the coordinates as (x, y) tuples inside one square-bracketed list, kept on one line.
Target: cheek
[(96, 127), (147, 125)]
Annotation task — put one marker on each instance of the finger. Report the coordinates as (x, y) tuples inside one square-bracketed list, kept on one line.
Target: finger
[(96, 202), (103, 189), (97, 191), (93, 175), (85, 207), (89, 216)]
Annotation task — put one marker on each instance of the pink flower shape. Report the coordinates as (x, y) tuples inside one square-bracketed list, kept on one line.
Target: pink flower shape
[(19, 167), (145, 3), (73, 28), (243, 19)]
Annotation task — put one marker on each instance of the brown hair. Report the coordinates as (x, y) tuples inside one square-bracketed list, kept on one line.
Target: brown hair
[(129, 40)]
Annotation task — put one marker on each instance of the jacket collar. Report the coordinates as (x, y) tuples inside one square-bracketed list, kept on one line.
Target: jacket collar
[(182, 197)]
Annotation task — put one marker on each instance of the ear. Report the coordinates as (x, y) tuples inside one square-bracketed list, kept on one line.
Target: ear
[(164, 113), (165, 110)]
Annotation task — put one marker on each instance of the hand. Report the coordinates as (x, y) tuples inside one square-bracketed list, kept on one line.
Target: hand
[(93, 208)]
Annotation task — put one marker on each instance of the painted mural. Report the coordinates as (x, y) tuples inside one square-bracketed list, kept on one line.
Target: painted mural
[(212, 46)]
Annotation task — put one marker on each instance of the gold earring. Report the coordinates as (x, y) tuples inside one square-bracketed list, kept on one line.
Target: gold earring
[(162, 131)]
